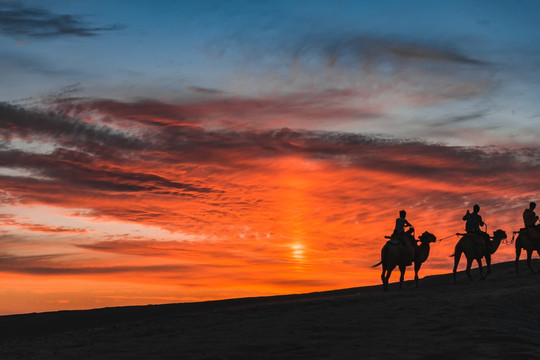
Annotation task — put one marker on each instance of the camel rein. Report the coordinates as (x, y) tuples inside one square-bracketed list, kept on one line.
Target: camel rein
[(459, 234), (505, 241)]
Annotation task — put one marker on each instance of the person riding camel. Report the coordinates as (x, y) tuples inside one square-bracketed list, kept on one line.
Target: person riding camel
[(473, 221), (403, 236), (529, 220)]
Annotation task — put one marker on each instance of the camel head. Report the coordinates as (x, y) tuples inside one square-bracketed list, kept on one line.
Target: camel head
[(499, 234), (427, 237)]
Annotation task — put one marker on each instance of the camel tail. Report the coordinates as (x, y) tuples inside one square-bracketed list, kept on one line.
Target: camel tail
[(377, 264), (457, 250)]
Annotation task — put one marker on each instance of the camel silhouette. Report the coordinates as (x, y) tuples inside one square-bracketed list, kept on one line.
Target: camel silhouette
[(393, 255), (529, 244), (469, 246)]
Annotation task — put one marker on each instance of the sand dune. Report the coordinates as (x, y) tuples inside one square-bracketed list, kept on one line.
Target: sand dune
[(492, 319)]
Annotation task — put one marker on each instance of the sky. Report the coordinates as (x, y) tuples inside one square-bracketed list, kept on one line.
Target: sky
[(164, 151)]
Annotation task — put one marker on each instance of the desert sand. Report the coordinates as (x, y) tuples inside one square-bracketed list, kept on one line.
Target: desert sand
[(496, 318)]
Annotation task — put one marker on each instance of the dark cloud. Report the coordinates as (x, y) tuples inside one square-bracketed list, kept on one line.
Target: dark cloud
[(171, 141), (78, 169), (17, 20), (201, 90), (122, 160), (11, 262), (302, 109), (301, 282), (126, 245), (431, 53), (54, 126), (92, 141), (451, 121), (407, 157)]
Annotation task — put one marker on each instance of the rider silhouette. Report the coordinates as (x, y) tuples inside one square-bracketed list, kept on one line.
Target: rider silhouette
[(473, 221), (405, 237), (529, 220)]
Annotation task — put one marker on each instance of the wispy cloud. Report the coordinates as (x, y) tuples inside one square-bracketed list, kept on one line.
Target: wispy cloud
[(362, 60), (140, 247), (354, 50), (112, 157), (11, 220), (300, 109), (55, 265)]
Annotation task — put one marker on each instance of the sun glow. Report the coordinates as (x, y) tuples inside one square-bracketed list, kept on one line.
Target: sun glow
[(297, 251)]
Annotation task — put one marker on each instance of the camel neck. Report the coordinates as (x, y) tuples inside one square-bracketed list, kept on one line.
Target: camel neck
[(423, 251)]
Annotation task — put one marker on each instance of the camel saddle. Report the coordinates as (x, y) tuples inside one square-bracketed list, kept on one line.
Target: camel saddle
[(401, 240), (477, 239), (530, 232)]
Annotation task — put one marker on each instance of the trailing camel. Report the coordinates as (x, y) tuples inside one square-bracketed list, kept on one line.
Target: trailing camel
[(528, 243), (397, 254), (471, 246)]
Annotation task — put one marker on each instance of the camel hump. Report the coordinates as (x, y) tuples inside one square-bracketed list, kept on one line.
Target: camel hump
[(395, 243)]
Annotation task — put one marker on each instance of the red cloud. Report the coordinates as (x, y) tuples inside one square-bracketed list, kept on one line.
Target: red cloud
[(306, 209)]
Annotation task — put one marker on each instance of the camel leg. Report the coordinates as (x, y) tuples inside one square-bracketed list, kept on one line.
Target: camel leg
[(468, 269), (479, 261), (416, 270), (457, 257), (387, 278), (402, 276), (388, 273), (488, 265), (383, 278), (518, 254), (529, 256)]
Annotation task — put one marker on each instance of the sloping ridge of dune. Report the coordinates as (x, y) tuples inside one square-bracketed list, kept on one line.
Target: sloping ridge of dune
[(494, 318)]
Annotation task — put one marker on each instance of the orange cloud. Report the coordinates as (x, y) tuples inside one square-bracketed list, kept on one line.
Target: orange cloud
[(268, 211)]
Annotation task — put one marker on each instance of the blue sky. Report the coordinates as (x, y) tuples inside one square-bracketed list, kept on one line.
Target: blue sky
[(479, 58)]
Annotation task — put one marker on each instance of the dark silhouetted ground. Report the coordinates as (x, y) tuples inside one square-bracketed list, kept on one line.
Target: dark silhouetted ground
[(492, 319)]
